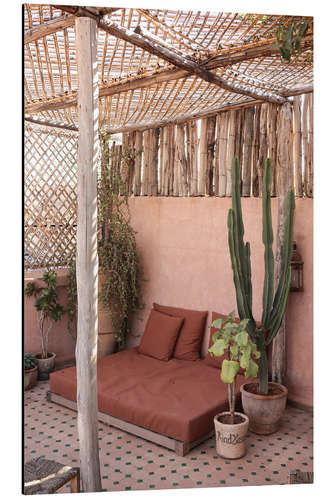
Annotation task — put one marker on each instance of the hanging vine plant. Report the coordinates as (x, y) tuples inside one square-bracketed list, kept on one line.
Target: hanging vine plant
[(119, 263)]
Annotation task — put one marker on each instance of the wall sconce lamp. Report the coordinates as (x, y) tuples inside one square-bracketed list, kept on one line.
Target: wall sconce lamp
[(296, 283)]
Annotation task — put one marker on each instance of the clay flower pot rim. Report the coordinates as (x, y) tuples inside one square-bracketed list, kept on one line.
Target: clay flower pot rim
[(49, 355), (283, 393), (35, 368), (239, 414)]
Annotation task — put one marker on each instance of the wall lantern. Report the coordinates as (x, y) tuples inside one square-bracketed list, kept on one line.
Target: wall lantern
[(296, 284)]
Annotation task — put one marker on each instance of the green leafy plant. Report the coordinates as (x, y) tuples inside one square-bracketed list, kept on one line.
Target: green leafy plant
[(274, 305), (29, 361), (47, 305), (241, 353), (289, 38), (117, 252)]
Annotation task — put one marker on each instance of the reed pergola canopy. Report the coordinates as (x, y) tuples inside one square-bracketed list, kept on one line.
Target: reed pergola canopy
[(159, 66)]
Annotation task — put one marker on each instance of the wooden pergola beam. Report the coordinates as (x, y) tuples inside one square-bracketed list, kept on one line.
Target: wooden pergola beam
[(153, 46), (49, 27), (185, 118), (49, 124), (229, 58)]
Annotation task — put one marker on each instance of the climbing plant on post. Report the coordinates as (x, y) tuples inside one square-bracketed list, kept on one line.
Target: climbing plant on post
[(274, 305)]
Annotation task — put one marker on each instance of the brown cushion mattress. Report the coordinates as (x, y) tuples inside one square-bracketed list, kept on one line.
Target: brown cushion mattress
[(175, 398)]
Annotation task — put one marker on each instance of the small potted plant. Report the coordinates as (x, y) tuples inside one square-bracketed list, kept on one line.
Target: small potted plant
[(49, 311), (230, 426), (30, 371)]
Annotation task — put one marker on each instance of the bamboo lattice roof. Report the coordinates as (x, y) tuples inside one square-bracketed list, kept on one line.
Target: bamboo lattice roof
[(139, 88)]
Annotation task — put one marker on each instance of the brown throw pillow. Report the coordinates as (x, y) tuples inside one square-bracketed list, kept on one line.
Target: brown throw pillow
[(160, 335), (209, 360), (189, 341)]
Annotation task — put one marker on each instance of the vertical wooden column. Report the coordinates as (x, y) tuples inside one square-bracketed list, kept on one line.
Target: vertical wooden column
[(283, 163), (137, 162), (231, 150), (203, 157), (272, 142), (192, 156), (298, 146), (248, 140), (87, 259), (154, 138), (211, 133), (146, 162), (181, 160), (221, 154), (255, 150)]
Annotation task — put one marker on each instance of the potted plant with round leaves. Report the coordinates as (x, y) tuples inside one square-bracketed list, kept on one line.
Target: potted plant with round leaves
[(230, 426), (263, 402), (30, 371), (49, 311)]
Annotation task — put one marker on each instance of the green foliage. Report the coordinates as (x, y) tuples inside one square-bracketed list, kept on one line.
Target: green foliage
[(234, 338), (47, 305), (29, 361), (289, 38), (274, 306), (117, 252)]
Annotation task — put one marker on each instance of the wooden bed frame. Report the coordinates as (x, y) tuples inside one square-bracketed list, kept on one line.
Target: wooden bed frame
[(179, 447)]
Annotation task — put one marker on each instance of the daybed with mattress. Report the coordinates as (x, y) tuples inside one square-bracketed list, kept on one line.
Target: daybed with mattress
[(150, 392)]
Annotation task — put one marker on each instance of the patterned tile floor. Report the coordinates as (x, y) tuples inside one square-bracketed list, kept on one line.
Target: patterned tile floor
[(131, 463)]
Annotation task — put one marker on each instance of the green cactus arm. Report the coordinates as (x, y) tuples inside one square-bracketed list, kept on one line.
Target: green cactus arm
[(240, 292), (286, 254), (242, 305), (267, 238), (239, 226), (248, 274), (277, 319)]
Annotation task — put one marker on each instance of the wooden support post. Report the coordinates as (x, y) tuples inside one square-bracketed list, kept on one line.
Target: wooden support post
[(154, 136), (87, 258), (255, 150), (221, 154), (146, 162), (262, 146), (297, 139), (283, 157), (211, 131), (309, 191), (231, 150), (203, 158), (181, 160), (272, 142), (192, 155), (248, 140), (138, 163), (305, 143)]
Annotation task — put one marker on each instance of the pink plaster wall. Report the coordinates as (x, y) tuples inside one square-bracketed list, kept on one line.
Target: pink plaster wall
[(184, 249), (60, 340)]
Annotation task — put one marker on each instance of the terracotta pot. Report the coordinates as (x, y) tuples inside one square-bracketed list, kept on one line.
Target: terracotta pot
[(30, 378), (230, 438), (45, 366), (264, 412)]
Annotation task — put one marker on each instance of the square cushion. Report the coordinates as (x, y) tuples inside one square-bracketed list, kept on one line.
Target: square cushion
[(209, 360), (160, 335), (189, 341)]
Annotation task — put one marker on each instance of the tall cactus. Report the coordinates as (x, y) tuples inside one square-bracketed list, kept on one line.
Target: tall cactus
[(273, 306)]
